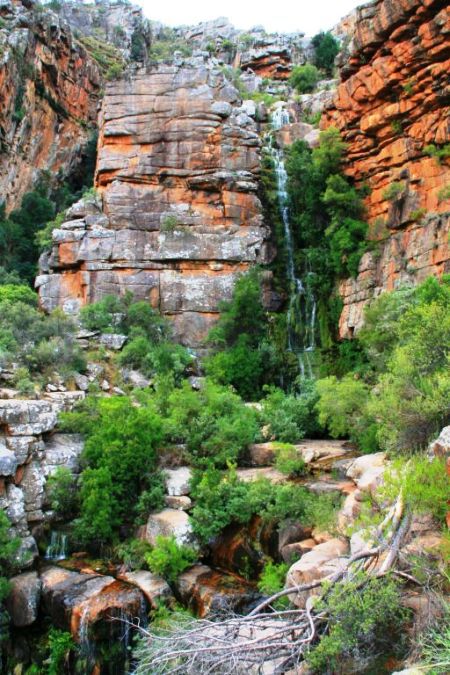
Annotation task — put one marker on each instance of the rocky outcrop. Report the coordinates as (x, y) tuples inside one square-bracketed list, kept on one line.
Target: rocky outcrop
[(180, 218), (49, 92), (28, 455), (393, 102), (117, 23)]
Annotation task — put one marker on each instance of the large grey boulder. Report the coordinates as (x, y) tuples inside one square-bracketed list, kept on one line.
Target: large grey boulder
[(22, 602)]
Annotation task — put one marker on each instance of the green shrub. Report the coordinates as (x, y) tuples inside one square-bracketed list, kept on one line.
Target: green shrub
[(292, 417), (169, 559), (410, 402), (104, 314), (152, 498), (364, 619), (8, 550), (289, 461), (424, 485), (247, 351), (304, 78), (222, 499), (444, 194), (214, 423), (342, 404), (60, 643), (169, 223), (441, 154), (18, 293), (272, 580), (326, 48), (132, 553), (62, 492), (394, 191), (119, 457), (435, 646)]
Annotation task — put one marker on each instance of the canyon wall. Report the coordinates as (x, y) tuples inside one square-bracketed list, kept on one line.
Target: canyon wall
[(179, 219), (394, 101), (49, 92)]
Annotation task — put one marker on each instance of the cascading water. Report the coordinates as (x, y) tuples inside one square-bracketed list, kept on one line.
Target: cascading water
[(301, 316), (57, 549)]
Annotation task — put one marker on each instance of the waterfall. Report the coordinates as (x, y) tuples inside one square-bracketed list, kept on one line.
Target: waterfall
[(57, 549), (302, 310)]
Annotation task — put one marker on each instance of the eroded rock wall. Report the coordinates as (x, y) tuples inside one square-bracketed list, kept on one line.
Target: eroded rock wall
[(392, 102), (180, 218), (49, 92)]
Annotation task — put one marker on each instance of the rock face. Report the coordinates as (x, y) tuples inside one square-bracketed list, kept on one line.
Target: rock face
[(28, 455), (393, 102), (180, 219), (49, 92), (23, 600)]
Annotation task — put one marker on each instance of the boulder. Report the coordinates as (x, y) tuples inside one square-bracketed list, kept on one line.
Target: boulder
[(250, 475), (293, 552), (322, 561), (208, 591), (23, 600), (365, 463), (113, 341), (169, 523), (154, 588), (8, 461), (63, 450), (181, 503), (177, 481), (262, 454), (86, 603)]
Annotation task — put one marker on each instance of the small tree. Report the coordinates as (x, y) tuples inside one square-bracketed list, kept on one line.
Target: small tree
[(326, 48), (304, 78)]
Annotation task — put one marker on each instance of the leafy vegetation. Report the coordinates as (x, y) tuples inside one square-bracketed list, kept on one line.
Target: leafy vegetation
[(119, 459), (326, 48), (249, 347), (291, 417), (402, 400), (365, 617), (304, 78), (169, 559), (327, 221)]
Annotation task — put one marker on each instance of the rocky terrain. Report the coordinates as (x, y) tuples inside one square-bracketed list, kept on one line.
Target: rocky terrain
[(50, 92), (393, 104), (180, 218)]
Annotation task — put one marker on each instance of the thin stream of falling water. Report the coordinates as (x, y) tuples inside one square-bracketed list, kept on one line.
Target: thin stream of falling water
[(302, 308)]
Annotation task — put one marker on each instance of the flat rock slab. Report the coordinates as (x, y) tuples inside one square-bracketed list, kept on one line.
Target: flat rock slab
[(250, 475)]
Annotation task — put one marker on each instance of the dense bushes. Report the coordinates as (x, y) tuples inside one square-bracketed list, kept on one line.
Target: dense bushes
[(291, 417), (36, 342), (222, 499), (326, 48), (304, 78), (249, 348), (364, 617), (327, 217), (403, 400), (214, 423), (169, 559), (150, 348), (119, 459)]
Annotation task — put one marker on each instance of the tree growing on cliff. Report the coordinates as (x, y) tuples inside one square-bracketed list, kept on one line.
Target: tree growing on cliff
[(326, 48)]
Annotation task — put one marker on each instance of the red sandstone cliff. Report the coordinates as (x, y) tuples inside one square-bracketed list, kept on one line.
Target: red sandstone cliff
[(392, 102), (49, 92), (177, 173)]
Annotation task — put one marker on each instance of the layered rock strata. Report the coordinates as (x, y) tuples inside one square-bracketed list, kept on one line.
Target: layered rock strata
[(179, 217), (29, 453), (49, 92), (394, 101)]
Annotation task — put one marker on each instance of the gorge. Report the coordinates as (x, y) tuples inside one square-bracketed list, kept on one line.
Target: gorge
[(224, 404)]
